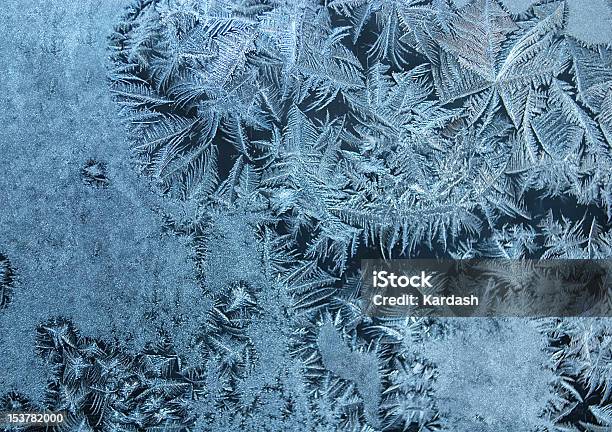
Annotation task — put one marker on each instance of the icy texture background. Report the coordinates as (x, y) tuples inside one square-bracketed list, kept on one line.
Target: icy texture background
[(279, 142), (95, 255)]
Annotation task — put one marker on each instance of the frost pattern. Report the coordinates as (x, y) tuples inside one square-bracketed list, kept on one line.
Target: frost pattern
[(295, 137), (348, 129), (93, 173), (448, 126)]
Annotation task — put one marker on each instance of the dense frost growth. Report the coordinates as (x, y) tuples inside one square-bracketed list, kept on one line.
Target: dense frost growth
[(411, 128), (293, 138), (357, 128)]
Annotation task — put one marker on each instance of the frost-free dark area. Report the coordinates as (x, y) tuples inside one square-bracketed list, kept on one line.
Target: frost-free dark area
[(278, 143)]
